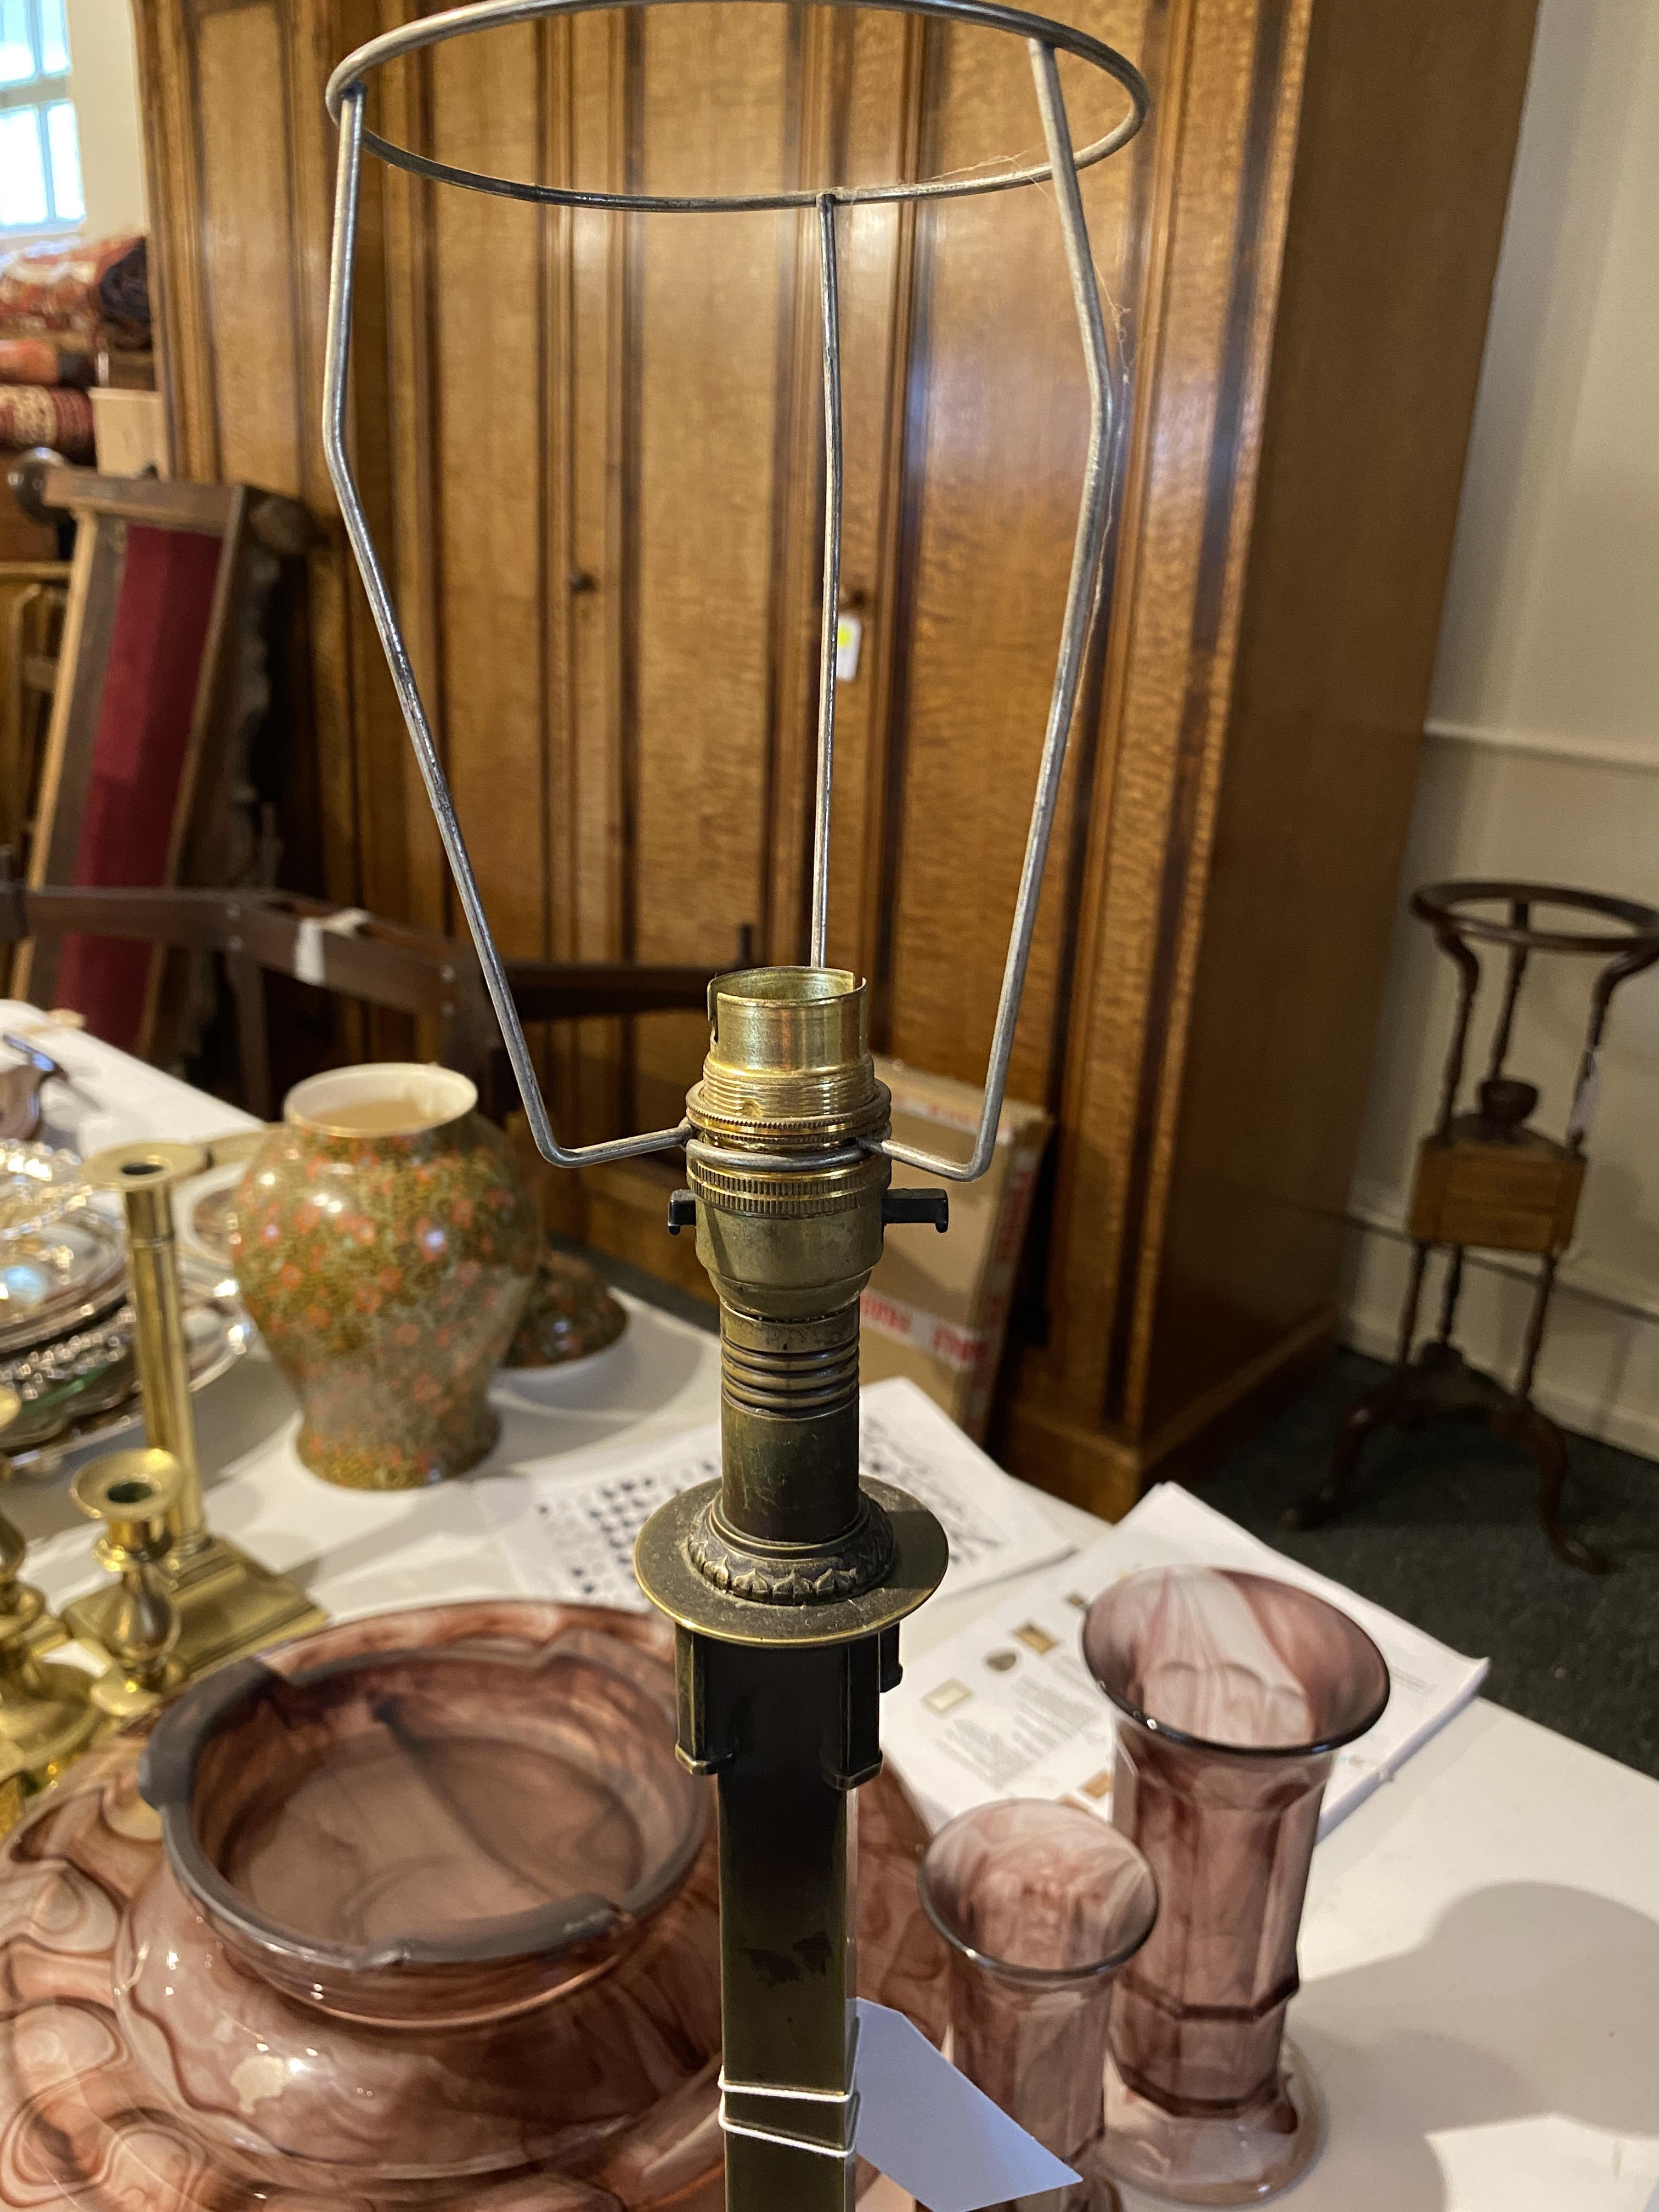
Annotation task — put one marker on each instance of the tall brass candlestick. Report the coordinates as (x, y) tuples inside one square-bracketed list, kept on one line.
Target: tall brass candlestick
[(228, 1604), (145, 1176)]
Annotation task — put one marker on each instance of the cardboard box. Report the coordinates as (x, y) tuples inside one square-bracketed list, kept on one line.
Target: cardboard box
[(130, 432), (937, 1307)]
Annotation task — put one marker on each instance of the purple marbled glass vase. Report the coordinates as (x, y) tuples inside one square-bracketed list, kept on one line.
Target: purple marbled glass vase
[(1234, 1694), (1040, 1904)]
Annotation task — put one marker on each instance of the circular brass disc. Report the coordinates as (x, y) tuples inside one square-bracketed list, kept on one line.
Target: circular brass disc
[(122, 1167), (674, 1586)]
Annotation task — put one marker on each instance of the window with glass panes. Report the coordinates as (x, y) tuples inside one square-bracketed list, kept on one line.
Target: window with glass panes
[(39, 144)]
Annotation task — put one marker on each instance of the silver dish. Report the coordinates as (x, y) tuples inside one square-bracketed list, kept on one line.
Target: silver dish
[(38, 1185), (74, 1373), (59, 1277)]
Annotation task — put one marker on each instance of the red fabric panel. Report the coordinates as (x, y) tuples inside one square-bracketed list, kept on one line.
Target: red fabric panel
[(137, 760)]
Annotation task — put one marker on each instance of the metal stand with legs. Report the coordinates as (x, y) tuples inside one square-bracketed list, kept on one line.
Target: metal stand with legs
[(1487, 1181)]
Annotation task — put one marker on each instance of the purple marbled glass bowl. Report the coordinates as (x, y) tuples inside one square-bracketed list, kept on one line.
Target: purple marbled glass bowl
[(436, 1835)]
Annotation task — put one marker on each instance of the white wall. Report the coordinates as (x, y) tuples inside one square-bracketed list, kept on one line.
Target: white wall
[(105, 88), (1543, 757)]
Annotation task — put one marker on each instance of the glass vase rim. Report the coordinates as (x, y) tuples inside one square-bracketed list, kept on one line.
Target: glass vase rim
[(1166, 1731), (1009, 1970)]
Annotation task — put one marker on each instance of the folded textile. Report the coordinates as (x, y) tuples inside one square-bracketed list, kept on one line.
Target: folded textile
[(55, 286), (43, 360), (46, 415), (124, 287)]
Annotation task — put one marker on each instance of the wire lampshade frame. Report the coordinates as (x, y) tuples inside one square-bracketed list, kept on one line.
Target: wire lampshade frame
[(1045, 40)]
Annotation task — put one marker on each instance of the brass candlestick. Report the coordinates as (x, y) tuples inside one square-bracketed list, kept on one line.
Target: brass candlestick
[(48, 1631), (137, 1496), (47, 1716), (228, 1604), (11, 1790)]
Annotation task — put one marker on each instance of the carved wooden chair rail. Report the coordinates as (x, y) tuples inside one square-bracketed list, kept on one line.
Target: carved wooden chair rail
[(381, 964)]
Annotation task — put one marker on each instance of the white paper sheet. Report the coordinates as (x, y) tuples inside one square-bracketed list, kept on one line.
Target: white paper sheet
[(1006, 1708), (928, 2127), (569, 1523)]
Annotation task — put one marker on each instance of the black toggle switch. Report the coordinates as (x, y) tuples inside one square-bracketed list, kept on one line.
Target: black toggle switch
[(682, 1212), (901, 1206)]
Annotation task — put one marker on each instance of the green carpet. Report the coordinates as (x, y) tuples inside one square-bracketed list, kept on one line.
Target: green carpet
[(1443, 1529)]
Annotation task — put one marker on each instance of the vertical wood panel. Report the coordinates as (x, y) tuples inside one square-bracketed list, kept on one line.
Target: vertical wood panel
[(874, 117), (811, 115), (998, 471), (882, 131), (250, 244), (1322, 743), (164, 41), (489, 465), (396, 453), (1161, 696), (712, 293), (592, 848), (239, 156)]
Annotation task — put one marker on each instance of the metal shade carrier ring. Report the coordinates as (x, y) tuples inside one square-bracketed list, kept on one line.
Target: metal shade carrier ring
[(1046, 40)]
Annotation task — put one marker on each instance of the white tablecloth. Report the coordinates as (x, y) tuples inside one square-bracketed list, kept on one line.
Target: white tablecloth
[(1480, 1950)]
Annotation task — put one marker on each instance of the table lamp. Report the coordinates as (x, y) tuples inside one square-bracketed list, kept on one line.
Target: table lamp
[(787, 1578)]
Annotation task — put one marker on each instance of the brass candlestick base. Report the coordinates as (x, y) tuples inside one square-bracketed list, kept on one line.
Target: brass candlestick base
[(135, 1494), (229, 1606), (47, 1716), (48, 1632), (11, 1791)]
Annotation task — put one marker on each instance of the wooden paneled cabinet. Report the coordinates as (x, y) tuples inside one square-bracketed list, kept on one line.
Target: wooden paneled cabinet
[(590, 445)]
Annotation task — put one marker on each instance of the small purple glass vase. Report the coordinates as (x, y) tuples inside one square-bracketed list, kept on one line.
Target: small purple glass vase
[(1040, 1904), (1234, 1694)]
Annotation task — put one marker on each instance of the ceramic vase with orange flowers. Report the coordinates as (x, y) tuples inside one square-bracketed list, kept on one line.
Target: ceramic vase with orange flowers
[(385, 1246)]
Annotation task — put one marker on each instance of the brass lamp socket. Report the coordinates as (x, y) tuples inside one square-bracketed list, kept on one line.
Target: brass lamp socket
[(789, 1547), (789, 1064)]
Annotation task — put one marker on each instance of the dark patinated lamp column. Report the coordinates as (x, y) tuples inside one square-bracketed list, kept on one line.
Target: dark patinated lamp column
[(787, 1578)]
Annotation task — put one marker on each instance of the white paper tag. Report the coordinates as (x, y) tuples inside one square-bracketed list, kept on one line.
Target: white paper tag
[(345, 921), (928, 2129), (850, 637)]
